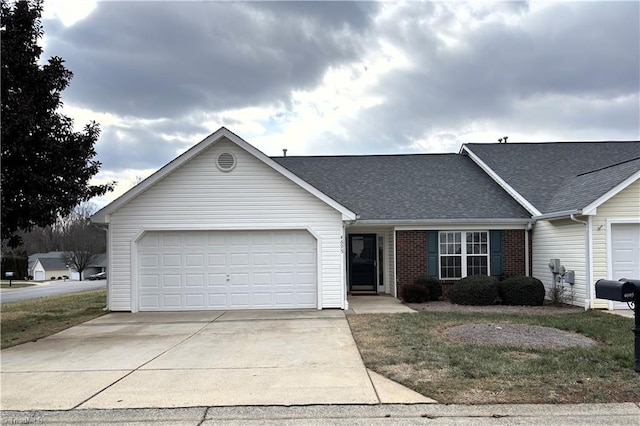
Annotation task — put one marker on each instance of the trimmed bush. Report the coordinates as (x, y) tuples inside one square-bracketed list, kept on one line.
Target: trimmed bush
[(415, 293), (479, 290), (433, 284), (528, 291)]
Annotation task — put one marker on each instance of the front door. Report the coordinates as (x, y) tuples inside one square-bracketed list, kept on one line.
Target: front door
[(362, 262)]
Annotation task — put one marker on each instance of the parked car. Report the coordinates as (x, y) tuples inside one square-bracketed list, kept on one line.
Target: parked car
[(98, 276)]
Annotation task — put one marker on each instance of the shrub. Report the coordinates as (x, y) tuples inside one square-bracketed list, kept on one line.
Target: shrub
[(527, 291), (53, 278), (433, 284), (475, 290), (415, 293)]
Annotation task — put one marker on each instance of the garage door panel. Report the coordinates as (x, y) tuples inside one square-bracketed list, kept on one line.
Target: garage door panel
[(227, 270), (171, 281), (625, 253), (171, 260), (172, 301)]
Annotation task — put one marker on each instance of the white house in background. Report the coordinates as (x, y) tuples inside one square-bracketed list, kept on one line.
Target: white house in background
[(49, 266), (223, 226), (584, 198)]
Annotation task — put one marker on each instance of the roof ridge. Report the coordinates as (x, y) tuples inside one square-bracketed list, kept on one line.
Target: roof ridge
[(413, 154), (549, 142), (608, 167)]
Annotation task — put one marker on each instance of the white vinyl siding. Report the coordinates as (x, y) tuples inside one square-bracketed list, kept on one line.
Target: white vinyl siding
[(623, 207), (564, 240), (198, 196)]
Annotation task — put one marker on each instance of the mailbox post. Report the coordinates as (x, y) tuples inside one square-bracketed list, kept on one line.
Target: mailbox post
[(624, 290), (10, 276)]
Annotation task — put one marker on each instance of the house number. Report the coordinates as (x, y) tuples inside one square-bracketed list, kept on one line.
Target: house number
[(342, 244)]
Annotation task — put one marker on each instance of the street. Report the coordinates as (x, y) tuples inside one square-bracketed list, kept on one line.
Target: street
[(52, 289)]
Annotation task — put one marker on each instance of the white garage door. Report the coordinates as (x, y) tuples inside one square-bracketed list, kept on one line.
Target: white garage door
[(625, 253), (196, 270)]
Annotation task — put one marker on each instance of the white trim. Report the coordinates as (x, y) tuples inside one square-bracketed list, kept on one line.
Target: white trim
[(343, 271), (135, 241), (102, 216), (460, 227), (591, 286), (609, 243), (612, 193), (508, 188), (395, 267), (526, 253), (557, 215), (463, 253)]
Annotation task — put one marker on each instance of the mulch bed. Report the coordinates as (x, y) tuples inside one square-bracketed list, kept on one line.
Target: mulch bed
[(446, 306)]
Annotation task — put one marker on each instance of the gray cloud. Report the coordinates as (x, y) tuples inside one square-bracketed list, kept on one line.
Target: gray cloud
[(569, 69), (170, 58), (572, 69)]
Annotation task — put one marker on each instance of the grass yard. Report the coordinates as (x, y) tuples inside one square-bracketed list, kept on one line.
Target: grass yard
[(30, 320), (15, 283), (412, 349)]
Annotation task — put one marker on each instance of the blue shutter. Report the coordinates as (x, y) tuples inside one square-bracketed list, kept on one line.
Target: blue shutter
[(432, 254), (495, 241)]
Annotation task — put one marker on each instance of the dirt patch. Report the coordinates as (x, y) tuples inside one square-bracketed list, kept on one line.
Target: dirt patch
[(530, 336), (446, 306)]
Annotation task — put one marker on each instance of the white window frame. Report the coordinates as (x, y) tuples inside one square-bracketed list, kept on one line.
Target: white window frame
[(463, 253)]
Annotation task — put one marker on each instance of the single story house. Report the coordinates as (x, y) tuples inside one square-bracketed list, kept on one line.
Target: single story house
[(50, 265), (48, 268), (584, 200), (223, 226), (98, 264)]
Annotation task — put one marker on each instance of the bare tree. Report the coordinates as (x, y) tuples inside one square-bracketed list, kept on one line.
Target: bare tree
[(82, 239)]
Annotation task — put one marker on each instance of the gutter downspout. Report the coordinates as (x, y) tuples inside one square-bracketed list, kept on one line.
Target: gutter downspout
[(526, 249), (588, 302)]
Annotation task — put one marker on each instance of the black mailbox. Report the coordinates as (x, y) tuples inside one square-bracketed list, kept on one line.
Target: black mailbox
[(620, 291)]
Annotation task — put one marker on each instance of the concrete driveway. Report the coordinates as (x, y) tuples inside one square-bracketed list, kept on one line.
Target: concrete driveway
[(192, 359)]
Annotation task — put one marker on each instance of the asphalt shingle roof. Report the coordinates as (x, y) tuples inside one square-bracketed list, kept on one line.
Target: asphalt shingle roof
[(49, 263), (561, 176), (407, 187)]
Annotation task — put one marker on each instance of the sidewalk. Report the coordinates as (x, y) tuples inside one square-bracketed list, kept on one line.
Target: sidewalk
[(380, 414)]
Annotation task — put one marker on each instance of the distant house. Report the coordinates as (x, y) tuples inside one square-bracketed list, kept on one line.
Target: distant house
[(223, 226), (48, 266), (97, 264)]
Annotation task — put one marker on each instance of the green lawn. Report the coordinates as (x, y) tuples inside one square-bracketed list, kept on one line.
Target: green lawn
[(30, 320), (411, 349)]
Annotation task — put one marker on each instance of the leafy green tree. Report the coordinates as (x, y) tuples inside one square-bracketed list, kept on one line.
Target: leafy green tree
[(46, 165)]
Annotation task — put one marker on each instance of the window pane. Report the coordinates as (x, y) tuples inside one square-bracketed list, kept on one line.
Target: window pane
[(477, 265), (450, 267)]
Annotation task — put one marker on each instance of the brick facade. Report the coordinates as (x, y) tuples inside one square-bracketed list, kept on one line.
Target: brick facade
[(513, 253), (411, 256)]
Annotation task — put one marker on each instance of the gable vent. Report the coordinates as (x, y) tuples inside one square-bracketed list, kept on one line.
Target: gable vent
[(226, 162)]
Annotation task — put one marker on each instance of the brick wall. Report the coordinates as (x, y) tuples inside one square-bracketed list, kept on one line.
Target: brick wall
[(411, 256), (513, 252)]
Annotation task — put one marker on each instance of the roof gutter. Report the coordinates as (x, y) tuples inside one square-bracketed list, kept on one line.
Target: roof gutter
[(557, 215)]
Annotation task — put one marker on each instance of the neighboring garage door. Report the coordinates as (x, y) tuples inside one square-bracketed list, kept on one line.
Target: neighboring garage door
[(39, 276), (201, 270), (625, 253)]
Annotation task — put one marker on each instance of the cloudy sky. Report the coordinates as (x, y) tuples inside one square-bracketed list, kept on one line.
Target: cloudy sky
[(343, 77)]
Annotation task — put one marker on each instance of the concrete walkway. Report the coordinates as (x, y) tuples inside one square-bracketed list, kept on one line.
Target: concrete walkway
[(380, 304), (190, 359)]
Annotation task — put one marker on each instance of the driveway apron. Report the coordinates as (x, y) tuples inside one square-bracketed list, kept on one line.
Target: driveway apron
[(186, 359)]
